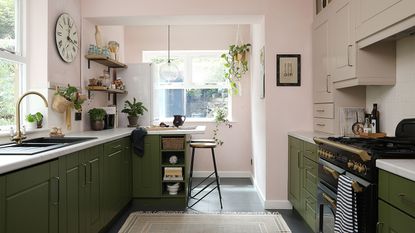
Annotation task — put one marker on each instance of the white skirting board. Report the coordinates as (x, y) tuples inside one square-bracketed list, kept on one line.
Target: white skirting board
[(268, 204)]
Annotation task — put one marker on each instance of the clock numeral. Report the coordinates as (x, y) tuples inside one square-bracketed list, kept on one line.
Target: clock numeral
[(73, 48), (59, 33), (60, 43), (74, 33), (60, 25), (75, 42), (63, 50)]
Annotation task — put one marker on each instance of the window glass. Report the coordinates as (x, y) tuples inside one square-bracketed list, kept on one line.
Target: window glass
[(9, 81), (198, 91), (8, 25)]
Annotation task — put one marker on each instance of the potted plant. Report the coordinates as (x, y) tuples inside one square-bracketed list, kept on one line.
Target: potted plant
[(64, 97), (220, 118), (134, 110), (236, 64), (97, 115), (35, 120)]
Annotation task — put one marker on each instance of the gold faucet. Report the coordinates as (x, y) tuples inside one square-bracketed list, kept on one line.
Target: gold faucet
[(19, 136)]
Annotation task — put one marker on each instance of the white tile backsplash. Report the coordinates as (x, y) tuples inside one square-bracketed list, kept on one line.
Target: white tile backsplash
[(396, 102)]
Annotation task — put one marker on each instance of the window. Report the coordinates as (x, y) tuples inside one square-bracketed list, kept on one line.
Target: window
[(199, 89), (12, 59)]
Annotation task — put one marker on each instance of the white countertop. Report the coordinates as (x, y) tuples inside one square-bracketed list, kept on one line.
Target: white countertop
[(308, 135), (400, 167), (13, 162)]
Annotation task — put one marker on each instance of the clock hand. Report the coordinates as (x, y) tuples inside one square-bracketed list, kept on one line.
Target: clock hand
[(70, 40)]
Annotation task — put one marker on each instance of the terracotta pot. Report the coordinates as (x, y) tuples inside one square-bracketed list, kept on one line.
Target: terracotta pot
[(132, 121), (97, 125)]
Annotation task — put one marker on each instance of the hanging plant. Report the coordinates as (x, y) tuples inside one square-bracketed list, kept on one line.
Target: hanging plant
[(236, 64), (70, 96), (220, 118)]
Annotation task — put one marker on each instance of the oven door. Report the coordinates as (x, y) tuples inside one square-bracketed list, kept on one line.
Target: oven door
[(326, 200), (329, 174)]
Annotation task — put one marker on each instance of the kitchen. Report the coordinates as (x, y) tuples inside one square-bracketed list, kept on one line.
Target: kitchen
[(262, 125)]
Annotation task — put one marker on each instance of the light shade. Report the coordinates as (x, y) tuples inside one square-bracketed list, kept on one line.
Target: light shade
[(169, 71)]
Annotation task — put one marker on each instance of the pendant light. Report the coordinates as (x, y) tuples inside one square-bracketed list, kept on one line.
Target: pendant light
[(168, 71)]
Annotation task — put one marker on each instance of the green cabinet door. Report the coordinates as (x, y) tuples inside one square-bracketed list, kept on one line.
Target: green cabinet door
[(69, 174), (30, 199), (111, 184), (294, 172), (392, 220), (146, 170), (91, 191), (126, 176)]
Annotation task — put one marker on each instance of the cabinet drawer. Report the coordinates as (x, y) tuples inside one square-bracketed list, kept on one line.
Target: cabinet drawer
[(310, 151), (398, 191), (324, 110), (394, 220), (310, 177), (113, 146), (310, 210), (27, 177), (324, 125)]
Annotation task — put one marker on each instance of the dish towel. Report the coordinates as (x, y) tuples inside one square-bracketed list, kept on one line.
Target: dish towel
[(345, 220), (138, 136)]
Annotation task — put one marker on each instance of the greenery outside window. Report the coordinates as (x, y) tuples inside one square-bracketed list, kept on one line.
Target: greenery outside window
[(12, 59), (197, 92)]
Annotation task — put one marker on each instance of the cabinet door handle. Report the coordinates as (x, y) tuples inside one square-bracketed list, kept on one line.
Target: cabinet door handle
[(116, 147), (84, 165), (299, 159), (379, 226), (320, 110), (56, 202), (348, 55), (406, 199), (321, 125), (327, 83)]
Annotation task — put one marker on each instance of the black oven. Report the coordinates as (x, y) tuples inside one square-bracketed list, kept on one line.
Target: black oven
[(327, 198)]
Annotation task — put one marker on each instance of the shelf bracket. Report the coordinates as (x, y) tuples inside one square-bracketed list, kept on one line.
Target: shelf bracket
[(109, 96), (89, 94), (89, 64)]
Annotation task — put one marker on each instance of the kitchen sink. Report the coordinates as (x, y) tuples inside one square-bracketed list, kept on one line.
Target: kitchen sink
[(38, 145)]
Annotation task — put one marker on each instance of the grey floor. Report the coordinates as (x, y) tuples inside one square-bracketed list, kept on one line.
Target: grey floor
[(238, 195)]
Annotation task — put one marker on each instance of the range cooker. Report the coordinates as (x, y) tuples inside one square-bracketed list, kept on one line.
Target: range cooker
[(356, 158)]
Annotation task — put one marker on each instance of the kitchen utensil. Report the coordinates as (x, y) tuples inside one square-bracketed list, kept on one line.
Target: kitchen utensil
[(179, 120), (357, 127)]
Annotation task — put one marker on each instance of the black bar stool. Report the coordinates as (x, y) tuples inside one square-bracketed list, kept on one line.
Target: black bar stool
[(203, 144)]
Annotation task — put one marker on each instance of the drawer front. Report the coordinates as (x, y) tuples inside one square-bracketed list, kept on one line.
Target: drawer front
[(310, 176), (324, 125), (28, 177), (398, 191), (310, 210), (113, 146), (324, 110), (310, 151), (394, 220)]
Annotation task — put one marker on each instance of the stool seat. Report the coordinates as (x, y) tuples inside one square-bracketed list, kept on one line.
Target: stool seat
[(203, 140), (202, 145)]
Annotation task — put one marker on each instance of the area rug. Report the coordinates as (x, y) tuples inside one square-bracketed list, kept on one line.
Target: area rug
[(173, 222)]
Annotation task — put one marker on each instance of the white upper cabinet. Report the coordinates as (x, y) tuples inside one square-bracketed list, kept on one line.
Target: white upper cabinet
[(351, 66), (379, 19), (321, 75)]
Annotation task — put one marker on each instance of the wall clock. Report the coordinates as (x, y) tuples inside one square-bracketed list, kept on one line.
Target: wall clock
[(66, 36)]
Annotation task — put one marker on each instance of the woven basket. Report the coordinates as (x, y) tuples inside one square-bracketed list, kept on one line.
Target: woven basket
[(172, 143), (60, 104)]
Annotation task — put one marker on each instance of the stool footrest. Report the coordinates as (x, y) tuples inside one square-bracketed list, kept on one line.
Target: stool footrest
[(201, 197), (203, 189), (213, 173)]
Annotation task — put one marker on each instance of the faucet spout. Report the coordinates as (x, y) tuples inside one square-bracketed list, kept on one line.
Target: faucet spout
[(19, 136)]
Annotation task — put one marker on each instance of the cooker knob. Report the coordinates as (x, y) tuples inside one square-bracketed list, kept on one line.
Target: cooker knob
[(361, 169), (330, 155), (350, 164), (355, 166)]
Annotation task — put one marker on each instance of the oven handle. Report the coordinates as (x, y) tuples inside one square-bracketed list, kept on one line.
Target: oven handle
[(332, 172), (362, 153), (329, 200)]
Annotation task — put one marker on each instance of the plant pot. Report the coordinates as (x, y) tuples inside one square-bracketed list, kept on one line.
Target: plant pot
[(31, 125), (39, 124), (132, 121), (97, 125), (240, 57)]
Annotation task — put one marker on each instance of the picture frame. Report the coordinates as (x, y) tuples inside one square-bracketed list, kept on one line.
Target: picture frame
[(288, 70)]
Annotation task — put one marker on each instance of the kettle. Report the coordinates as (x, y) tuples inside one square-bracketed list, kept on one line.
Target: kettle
[(178, 120)]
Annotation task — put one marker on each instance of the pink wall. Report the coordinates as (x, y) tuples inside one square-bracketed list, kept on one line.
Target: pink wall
[(233, 157), (287, 29)]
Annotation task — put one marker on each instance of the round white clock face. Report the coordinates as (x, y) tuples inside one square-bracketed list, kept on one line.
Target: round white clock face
[(66, 35)]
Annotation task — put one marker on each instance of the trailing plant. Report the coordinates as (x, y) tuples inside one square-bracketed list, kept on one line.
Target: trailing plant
[(236, 64), (97, 114), (134, 108), (71, 94), (220, 118)]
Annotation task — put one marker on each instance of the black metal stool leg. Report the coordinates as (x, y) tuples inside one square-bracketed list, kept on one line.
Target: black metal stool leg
[(189, 191), (217, 177)]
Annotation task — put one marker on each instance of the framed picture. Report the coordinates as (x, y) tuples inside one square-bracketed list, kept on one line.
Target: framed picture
[(262, 72), (288, 70)]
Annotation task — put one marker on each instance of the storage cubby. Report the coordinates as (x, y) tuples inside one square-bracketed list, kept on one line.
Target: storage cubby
[(168, 157)]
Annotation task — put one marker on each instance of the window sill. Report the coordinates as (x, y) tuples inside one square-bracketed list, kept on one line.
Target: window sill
[(190, 121), (32, 131)]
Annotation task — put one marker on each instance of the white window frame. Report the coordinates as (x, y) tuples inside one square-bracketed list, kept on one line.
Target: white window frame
[(187, 82), (20, 55)]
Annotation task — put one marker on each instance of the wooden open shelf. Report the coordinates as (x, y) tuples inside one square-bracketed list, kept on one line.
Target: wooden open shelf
[(104, 61), (114, 92)]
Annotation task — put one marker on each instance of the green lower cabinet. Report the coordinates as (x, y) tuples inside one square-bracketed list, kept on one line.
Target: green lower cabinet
[(126, 175), (29, 199), (392, 220), (146, 170), (303, 179)]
